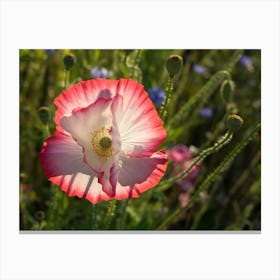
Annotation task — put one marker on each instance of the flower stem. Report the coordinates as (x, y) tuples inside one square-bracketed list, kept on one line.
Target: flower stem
[(187, 109), (46, 131), (163, 108), (66, 78), (177, 213), (110, 213), (205, 153), (94, 217), (123, 214)]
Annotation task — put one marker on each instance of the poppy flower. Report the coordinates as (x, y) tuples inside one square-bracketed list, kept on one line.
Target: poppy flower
[(104, 145)]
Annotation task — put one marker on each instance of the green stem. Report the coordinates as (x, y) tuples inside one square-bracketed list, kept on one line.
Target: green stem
[(123, 214), (110, 213), (177, 213), (169, 90), (46, 131), (132, 65), (234, 59), (204, 92), (205, 153), (66, 78), (94, 217)]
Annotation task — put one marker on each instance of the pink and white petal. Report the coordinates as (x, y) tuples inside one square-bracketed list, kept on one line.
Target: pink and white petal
[(62, 162), (81, 124), (108, 180), (137, 175), (82, 186), (140, 127), (82, 95), (84, 121)]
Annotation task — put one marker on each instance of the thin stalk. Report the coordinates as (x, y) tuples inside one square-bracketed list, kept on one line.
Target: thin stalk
[(66, 78), (169, 90), (123, 214), (204, 92), (110, 213), (205, 153), (177, 213), (94, 217)]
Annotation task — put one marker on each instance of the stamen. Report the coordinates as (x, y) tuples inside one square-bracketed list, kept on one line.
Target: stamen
[(102, 143)]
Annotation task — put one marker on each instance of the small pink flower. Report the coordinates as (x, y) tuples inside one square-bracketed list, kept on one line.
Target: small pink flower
[(183, 199), (187, 182), (179, 153), (182, 158), (105, 142)]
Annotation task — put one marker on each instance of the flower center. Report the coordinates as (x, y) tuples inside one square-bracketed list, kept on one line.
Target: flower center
[(102, 143), (105, 142)]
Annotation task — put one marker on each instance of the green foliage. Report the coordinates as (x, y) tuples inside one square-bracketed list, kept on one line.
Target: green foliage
[(227, 192)]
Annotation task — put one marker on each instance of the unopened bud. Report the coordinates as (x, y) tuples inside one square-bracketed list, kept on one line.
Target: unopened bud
[(69, 60), (234, 122), (227, 90), (44, 114), (174, 64)]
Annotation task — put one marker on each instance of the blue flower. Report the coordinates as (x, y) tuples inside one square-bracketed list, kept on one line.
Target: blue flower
[(199, 69), (100, 72), (48, 51), (157, 95), (247, 62), (206, 113)]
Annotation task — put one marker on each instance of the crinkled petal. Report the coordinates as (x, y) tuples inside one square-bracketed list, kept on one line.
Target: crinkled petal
[(137, 175), (81, 125), (140, 127), (84, 121), (62, 161), (82, 95)]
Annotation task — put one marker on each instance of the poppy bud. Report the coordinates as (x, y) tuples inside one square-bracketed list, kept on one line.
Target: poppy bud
[(227, 89), (69, 60), (174, 64), (234, 122), (44, 114)]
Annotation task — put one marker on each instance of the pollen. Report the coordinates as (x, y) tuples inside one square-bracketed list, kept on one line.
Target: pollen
[(102, 143)]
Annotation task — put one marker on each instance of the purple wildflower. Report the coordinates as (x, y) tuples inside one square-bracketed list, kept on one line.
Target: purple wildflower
[(206, 112), (100, 72), (199, 69), (157, 95), (247, 62)]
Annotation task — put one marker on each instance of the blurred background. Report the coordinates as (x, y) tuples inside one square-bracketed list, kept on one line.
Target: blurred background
[(231, 202)]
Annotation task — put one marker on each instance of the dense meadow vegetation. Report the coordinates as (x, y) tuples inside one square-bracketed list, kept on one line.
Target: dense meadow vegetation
[(211, 109)]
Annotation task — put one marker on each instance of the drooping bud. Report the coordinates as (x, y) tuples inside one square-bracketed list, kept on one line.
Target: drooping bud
[(234, 122), (44, 114), (174, 64), (69, 60), (227, 90)]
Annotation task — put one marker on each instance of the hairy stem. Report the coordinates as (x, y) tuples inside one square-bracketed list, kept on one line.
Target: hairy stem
[(110, 213), (206, 90), (177, 213), (205, 153), (169, 90)]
